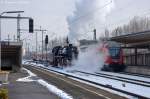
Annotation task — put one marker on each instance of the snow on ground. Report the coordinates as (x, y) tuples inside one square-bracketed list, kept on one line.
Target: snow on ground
[(28, 78), (112, 76), (137, 89), (126, 76), (55, 90), (29, 72), (50, 87)]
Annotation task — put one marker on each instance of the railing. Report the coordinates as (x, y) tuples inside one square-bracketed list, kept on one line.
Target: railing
[(143, 59)]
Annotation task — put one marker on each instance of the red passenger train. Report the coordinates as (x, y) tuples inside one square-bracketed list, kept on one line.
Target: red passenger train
[(114, 60)]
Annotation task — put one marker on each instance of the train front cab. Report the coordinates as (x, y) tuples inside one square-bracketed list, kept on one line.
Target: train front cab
[(114, 60)]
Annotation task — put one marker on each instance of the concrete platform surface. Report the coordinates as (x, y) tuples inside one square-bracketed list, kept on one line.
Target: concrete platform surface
[(26, 90)]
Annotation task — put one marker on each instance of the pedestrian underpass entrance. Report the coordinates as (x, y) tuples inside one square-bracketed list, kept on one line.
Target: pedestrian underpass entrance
[(11, 55)]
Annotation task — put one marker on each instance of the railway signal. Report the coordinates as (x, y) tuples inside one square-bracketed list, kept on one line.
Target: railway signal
[(46, 42), (46, 39), (31, 28)]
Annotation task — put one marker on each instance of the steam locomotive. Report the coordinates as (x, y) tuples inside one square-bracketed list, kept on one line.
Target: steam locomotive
[(63, 55), (114, 60)]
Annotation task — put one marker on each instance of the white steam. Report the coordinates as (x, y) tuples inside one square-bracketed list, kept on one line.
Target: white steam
[(87, 12), (91, 60)]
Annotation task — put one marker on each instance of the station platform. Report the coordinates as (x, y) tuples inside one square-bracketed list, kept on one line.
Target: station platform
[(26, 90), (145, 70)]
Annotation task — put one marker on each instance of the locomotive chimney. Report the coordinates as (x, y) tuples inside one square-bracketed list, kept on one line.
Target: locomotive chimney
[(94, 38), (67, 40)]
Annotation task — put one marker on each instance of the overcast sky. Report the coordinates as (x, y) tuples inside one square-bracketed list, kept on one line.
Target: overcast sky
[(52, 15)]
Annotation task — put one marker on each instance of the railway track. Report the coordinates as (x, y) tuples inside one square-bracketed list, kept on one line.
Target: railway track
[(136, 82), (135, 74), (118, 78)]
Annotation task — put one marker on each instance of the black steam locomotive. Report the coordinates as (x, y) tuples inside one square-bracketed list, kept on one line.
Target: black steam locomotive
[(63, 56)]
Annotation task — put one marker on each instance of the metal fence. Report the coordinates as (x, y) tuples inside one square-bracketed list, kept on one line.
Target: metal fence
[(143, 59)]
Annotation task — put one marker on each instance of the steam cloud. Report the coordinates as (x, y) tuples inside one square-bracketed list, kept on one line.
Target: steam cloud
[(91, 60), (87, 12)]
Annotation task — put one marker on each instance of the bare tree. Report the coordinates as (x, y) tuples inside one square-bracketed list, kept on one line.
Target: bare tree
[(137, 24)]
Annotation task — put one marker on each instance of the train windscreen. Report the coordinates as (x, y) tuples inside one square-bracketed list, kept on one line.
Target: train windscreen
[(114, 52)]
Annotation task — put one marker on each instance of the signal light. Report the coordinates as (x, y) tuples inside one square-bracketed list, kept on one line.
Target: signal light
[(46, 39), (31, 29)]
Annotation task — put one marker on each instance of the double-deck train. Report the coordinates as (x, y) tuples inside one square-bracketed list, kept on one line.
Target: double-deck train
[(114, 59)]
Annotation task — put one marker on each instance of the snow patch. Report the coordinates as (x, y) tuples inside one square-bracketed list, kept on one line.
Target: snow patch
[(25, 79), (28, 78), (55, 90), (29, 72)]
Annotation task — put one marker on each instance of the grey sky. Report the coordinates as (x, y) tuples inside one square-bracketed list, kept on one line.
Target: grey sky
[(52, 14), (127, 9)]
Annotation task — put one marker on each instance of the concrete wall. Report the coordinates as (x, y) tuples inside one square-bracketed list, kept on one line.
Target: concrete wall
[(11, 55)]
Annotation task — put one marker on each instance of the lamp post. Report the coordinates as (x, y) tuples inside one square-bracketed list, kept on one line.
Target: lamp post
[(36, 45), (43, 31), (8, 12)]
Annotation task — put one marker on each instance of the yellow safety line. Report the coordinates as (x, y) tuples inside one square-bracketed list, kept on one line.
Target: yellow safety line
[(43, 71)]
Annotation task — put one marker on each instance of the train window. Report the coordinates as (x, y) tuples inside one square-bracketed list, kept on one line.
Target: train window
[(114, 52)]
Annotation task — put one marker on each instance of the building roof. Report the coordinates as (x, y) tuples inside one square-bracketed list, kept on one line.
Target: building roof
[(87, 42), (137, 39), (7, 43)]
